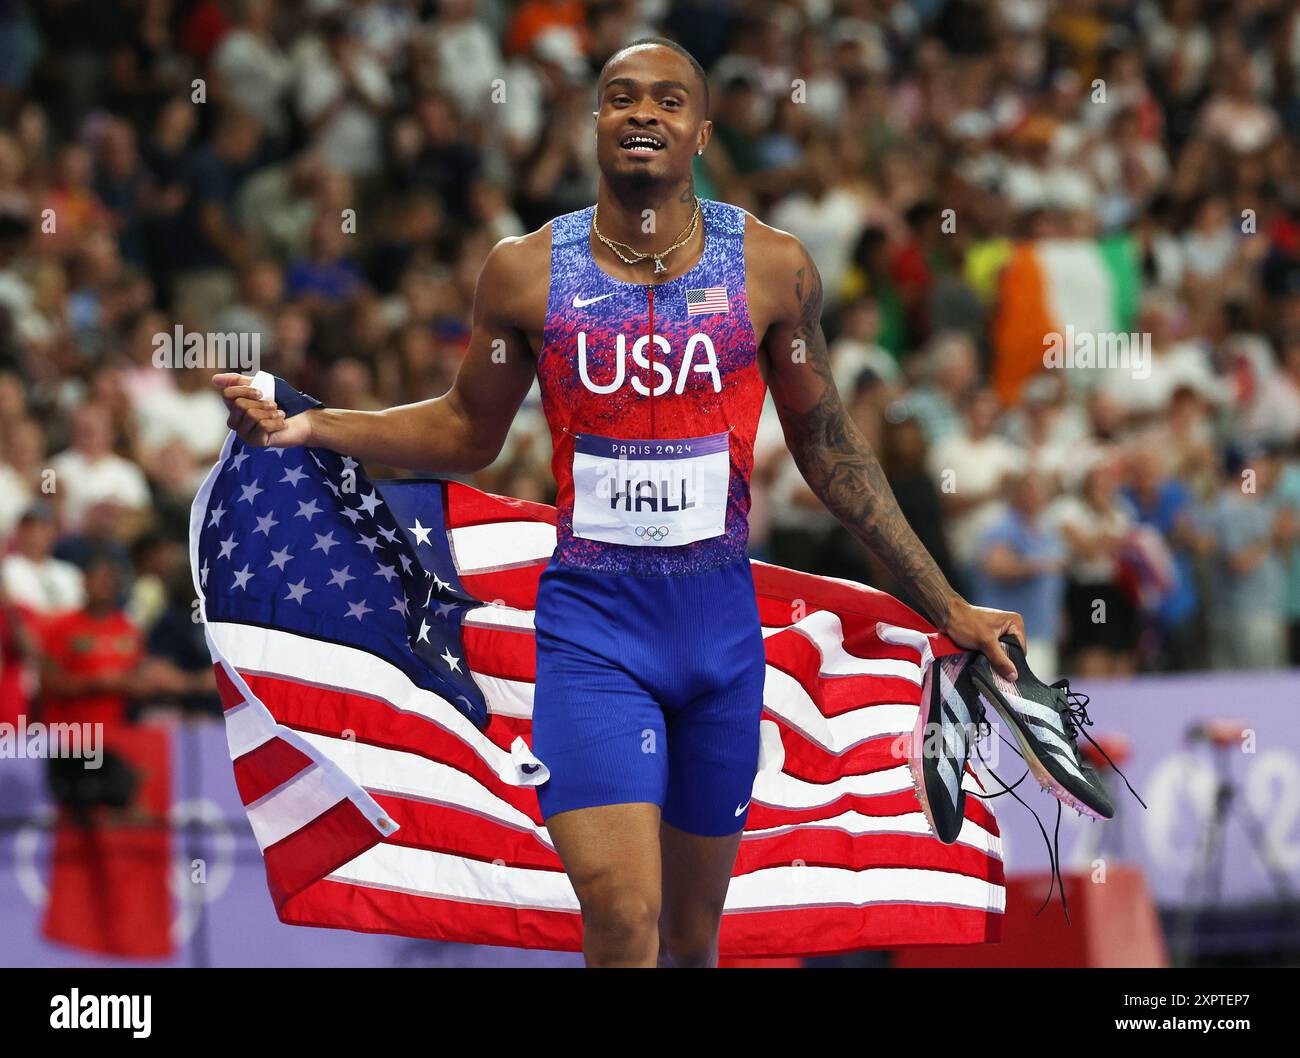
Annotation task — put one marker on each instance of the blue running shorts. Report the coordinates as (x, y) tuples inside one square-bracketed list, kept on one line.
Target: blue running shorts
[(649, 689)]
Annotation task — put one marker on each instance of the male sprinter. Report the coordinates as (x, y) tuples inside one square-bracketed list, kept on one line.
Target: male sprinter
[(653, 346)]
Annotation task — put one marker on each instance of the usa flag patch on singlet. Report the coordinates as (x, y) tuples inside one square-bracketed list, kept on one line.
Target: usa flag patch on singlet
[(706, 300)]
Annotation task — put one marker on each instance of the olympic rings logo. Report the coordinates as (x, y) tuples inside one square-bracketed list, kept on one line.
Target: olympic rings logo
[(652, 532)]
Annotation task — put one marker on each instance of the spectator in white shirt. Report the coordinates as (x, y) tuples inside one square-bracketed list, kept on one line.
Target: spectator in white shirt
[(89, 473), (968, 468), (468, 56), (32, 577), (255, 72), (826, 217), (1096, 524), (342, 94), (20, 470), (191, 412)]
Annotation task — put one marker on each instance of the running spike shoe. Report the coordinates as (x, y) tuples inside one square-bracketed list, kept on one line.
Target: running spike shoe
[(948, 724), (1046, 721)]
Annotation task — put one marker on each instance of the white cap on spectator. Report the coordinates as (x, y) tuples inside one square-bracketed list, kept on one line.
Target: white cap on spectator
[(560, 47)]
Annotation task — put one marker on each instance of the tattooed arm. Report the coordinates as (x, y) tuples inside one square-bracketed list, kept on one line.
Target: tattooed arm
[(831, 453)]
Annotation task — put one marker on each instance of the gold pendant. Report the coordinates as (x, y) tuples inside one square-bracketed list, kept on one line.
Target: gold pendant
[(660, 266)]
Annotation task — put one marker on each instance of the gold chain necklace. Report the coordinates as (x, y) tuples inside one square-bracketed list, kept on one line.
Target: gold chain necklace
[(638, 256)]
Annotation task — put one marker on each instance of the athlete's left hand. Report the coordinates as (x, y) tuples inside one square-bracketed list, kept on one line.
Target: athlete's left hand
[(979, 628)]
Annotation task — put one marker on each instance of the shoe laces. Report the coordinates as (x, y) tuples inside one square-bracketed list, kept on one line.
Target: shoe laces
[(980, 720), (1073, 707), (1053, 843)]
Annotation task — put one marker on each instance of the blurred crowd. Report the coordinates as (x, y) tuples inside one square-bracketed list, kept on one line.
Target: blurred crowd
[(967, 176)]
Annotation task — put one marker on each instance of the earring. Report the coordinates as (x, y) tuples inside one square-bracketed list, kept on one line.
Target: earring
[(700, 151)]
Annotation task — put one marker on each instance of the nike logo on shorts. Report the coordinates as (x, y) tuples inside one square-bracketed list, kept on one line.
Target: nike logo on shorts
[(741, 809), (580, 302)]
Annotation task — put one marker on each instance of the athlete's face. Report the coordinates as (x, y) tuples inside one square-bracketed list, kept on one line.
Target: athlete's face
[(651, 119)]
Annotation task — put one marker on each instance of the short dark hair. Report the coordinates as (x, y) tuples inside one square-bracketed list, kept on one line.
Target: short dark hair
[(671, 45)]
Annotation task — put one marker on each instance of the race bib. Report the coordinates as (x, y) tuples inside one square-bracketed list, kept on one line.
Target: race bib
[(660, 493)]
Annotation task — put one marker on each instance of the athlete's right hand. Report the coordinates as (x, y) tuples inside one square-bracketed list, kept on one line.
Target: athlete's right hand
[(259, 423)]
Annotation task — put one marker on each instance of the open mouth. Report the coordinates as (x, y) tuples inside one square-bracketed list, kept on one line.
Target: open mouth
[(641, 143)]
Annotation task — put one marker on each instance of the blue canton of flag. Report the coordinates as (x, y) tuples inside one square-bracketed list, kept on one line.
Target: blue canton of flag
[(300, 539)]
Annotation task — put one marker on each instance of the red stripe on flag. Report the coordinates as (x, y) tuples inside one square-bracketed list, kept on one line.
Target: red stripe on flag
[(500, 652), (807, 761), (794, 932), (231, 695), (446, 828), (468, 506), (825, 847), (267, 768), (337, 835), (763, 817), (835, 930), (798, 657), (515, 587), (370, 910)]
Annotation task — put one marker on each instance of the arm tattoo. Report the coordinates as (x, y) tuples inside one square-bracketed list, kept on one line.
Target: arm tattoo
[(840, 467)]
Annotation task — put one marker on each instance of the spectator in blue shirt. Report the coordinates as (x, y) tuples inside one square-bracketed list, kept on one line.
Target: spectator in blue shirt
[(326, 278), (1020, 565), (1252, 533), (1167, 504)]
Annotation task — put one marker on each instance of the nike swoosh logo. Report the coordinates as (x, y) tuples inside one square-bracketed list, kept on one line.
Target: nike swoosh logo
[(580, 302), (742, 808)]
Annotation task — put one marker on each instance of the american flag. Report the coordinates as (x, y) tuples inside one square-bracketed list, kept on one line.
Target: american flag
[(373, 643), (705, 300)]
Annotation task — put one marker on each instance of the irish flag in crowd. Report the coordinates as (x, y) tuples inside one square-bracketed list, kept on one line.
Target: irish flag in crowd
[(1048, 285)]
